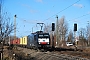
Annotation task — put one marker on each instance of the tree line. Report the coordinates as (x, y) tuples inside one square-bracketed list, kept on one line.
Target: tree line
[(64, 34)]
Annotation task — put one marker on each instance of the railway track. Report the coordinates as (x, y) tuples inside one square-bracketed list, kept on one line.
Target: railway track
[(54, 55)]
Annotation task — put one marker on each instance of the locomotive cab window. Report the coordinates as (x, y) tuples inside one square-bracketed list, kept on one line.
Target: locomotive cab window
[(46, 36), (40, 36), (43, 36)]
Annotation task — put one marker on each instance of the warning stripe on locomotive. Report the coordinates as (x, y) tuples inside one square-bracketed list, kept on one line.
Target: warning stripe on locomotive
[(43, 43)]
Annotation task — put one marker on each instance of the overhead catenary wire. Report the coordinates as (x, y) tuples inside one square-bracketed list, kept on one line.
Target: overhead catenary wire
[(56, 14), (25, 21), (62, 10), (29, 22), (79, 17)]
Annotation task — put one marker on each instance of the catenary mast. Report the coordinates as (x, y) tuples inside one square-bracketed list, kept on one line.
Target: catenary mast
[(57, 42)]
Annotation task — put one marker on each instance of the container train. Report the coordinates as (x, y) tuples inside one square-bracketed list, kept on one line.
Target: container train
[(37, 40)]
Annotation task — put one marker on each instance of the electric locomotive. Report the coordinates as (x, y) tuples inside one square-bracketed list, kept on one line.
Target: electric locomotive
[(39, 40)]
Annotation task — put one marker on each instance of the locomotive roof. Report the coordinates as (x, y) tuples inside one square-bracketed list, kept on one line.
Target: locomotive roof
[(38, 32)]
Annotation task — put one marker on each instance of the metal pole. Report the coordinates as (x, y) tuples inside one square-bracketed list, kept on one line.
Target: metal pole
[(2, 50), (2, 38), (75, 36), (1, 56), (53, 39), (15, 27), (75, 40), (57, 32), (88, 32), (9, 40)]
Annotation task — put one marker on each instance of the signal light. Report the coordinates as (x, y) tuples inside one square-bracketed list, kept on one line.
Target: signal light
[(53, 26), (75, 27)]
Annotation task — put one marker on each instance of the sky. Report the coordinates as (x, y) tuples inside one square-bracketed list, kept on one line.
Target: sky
[(30, 12)]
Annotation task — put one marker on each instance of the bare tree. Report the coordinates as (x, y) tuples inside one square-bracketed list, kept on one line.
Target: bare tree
[(88, 34), (6, 27), (70, 37), (82, 37), (47, 28), (62, 29)]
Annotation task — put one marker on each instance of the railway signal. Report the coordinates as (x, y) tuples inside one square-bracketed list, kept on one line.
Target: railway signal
[(75, 27), (53, 26), (15, 27)]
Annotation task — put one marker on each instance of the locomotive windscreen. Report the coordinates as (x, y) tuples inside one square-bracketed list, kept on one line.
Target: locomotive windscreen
[(44, 38)]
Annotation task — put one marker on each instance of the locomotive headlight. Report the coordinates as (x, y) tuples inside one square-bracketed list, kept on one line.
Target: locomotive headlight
[(39, 42), (48, 43)]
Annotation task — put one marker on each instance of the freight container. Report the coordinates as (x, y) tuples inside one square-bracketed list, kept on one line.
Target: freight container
[(21, 41), (14, 42), (18, 41), (25, 40)]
